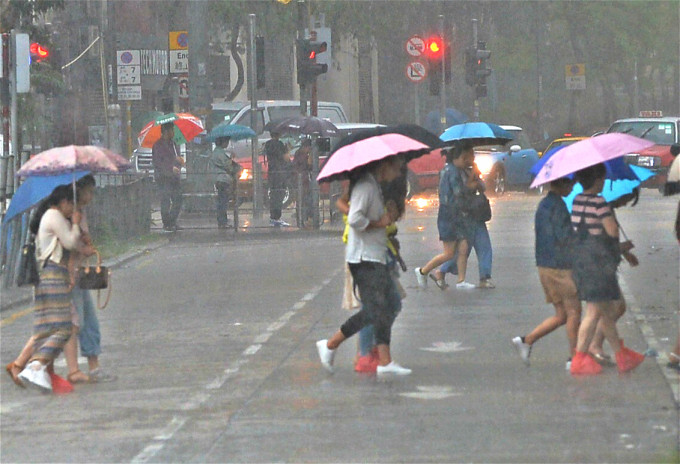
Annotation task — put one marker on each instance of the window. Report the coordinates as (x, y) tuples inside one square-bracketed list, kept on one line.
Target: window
[(259, 121), (660, 132)]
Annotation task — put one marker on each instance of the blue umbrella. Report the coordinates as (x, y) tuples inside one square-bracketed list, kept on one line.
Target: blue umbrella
[(36, 188), (477, 133), (233, 131), (433, 120), (614, 189)]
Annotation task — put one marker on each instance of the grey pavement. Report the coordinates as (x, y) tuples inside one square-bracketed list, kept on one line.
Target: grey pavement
[(213, 341)]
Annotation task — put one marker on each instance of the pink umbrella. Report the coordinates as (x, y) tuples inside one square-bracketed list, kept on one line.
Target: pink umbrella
[(61, 160), (350, 157), (588, 152)]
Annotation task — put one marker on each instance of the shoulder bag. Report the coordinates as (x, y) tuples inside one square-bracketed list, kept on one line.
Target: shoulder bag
[(479, 207), (28, 267)]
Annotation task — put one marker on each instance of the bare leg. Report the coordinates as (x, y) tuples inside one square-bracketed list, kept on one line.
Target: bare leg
[(588, 326), (335, 340), (26, 353), (384, 357), (71, 355), (93, 362), (462, 259), (449, 251), (548, 325), (596, 346), (573, 310)]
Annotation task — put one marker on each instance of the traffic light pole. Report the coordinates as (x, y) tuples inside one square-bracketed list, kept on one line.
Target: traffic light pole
[(258, 194), (474, 43), (442, 93)]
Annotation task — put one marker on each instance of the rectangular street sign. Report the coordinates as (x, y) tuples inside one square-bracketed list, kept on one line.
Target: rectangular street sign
[(576, 82), (129, 92), (129, 75), (179, 61)]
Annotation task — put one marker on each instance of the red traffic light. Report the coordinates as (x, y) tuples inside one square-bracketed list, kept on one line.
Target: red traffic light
[(434, 47), (39, 51)]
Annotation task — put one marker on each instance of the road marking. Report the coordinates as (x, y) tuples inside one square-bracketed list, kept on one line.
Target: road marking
[(447, 347), (434, 392), (9, 320), (202, 397), (652, 342)]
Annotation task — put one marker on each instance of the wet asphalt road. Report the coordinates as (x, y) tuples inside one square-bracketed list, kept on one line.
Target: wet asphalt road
[(213, 343)]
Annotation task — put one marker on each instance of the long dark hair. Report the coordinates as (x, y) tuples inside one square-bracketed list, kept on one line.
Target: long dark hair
[(60, 193), (589, 175)]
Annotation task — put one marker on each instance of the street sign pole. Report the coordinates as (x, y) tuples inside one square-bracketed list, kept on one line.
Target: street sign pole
[(257, 174)]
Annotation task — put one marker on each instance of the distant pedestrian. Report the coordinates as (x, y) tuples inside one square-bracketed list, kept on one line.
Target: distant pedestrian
[(167, 164), (596, 258), (674, 356), (302, 163), (226, 172), (453, 222), (366, 255), (278, 167), (554, 241), (52, 320)]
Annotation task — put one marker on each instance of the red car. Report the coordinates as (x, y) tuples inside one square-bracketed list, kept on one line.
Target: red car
[(663, 131)]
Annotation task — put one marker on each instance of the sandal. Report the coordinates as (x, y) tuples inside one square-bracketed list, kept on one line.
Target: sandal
[(78, 377), (13, 370), (441, 283), (603, 359)]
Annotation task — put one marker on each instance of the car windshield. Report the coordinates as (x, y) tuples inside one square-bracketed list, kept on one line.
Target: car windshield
[(660, 132), (518, 137), (218, 116)]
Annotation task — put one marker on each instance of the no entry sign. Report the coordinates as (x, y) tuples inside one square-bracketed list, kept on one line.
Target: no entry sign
[(415, 46)]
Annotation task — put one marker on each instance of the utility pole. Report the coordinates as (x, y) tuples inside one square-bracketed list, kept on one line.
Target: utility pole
[(258, 195), (4, 96), (474, 43), (442, 93), (301, 23)]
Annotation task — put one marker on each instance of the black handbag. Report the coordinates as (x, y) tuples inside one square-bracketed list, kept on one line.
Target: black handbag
[(28, 266), (94, 277), (480, 208)]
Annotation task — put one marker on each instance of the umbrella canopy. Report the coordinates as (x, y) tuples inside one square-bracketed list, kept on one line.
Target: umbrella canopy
[(61, 160), (34, 189), (348, 158), (477, 133), (233, 131), (433, 120), (672, 185), (187, 126), (614, 189), (588, 152), (303, 125), (412, 131), (617, 168)]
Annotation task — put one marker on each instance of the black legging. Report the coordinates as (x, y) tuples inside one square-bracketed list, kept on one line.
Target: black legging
[(379, 301)]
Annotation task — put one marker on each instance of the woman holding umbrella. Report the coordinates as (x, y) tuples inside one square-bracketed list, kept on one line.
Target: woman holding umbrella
[(367, 259), (455, 227)]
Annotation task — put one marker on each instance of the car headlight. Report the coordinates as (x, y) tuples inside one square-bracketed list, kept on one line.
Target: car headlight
[(484, 164), (246, 175)]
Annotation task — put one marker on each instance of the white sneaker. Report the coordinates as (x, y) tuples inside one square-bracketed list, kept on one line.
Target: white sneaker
[(421, 278), (283, 223), (523, 349), (393, 368), (465, 285), (326, 355), (486, 283), (35, 374), (567, 366)]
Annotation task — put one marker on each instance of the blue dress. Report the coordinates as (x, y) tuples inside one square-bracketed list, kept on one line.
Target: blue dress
[(453, 221)]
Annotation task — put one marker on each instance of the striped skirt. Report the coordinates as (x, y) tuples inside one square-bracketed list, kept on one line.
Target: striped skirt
[(52, 313)]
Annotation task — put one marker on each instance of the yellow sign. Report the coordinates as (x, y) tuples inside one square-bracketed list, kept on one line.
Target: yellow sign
[(178, 40), (577, 69)]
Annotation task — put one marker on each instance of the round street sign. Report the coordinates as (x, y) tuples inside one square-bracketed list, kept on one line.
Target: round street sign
[(416, 71), (415, 46)]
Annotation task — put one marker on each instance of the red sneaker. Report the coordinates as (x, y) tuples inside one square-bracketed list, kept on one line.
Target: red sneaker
[(60, 386), (584, 364), (366, 364), (627, 359)]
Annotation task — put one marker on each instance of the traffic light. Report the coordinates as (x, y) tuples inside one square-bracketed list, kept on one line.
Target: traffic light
[(470, 66), (38, 52), (481, 69), (435, 50), (307, 67)]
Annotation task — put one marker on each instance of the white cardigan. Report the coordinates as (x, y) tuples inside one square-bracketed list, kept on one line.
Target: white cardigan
[(54, 234)]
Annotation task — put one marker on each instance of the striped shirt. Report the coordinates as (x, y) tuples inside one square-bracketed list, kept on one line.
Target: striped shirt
[(593, 209)]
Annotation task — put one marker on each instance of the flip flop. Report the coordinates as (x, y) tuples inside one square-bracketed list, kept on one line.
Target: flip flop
[(78, 377), (439, 282)]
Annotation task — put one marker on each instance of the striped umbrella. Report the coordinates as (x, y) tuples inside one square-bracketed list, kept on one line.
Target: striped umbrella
[(187, 126)]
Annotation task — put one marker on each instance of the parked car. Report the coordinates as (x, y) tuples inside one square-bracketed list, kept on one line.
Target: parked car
[(502, 166), (560, 142), (663, 131)]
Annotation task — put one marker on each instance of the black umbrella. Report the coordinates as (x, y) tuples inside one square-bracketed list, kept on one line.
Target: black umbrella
[(303, 125), (412, 131)]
